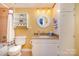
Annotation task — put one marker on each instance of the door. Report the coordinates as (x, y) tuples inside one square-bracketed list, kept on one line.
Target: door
[(67, 21), (3, 24)]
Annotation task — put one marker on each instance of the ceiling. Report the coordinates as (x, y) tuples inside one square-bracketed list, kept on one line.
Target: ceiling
[(26, 5)]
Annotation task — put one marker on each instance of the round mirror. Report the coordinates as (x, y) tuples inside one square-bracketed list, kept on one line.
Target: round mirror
[(43, 21)]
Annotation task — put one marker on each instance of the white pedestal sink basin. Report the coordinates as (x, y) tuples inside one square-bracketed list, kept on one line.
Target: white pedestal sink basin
[(14, 50)]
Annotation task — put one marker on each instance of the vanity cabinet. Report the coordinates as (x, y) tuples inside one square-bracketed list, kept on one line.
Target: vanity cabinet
[(45, 47), (20, 20), (3, 24)]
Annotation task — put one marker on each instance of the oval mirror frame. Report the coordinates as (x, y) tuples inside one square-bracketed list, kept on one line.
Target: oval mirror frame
[(43, 21)]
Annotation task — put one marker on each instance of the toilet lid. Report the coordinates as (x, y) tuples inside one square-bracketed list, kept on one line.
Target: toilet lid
[(15, 48)]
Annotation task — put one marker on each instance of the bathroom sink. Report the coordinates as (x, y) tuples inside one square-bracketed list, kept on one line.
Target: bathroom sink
[(44, 39), (14, 50)]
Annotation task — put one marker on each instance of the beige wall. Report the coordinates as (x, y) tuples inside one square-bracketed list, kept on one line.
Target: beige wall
[(77, 28), (3, 24)]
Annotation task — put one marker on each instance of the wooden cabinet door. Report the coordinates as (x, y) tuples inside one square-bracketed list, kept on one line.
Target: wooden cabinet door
[(3, 24)]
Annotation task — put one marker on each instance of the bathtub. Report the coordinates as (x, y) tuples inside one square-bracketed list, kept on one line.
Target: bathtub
[(3, 49)]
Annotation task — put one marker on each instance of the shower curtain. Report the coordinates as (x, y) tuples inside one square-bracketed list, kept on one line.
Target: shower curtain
[(10, 30)]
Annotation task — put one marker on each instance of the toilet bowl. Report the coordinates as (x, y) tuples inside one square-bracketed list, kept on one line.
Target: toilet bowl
[(14, 50)]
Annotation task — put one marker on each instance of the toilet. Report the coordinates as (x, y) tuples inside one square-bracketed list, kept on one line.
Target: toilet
[(16, 50)]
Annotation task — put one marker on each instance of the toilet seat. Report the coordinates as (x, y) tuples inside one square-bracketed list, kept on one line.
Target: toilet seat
[(14, 50)]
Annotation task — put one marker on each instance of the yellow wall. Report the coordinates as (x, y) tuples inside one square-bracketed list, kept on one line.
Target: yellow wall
[(77, 29), (33, 27), (29, 33)]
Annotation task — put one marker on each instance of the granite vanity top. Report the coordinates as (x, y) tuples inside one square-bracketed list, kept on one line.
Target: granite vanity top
[(46, 37)]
